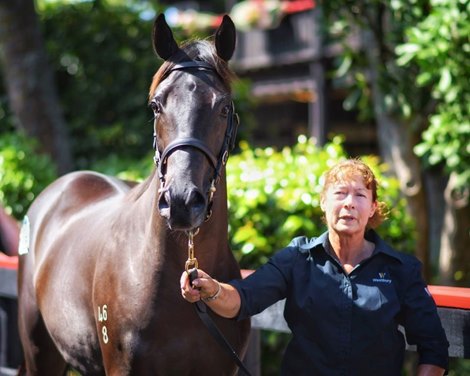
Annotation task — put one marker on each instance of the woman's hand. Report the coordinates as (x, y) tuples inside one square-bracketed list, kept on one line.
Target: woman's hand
[(204, 287), (222, 298)]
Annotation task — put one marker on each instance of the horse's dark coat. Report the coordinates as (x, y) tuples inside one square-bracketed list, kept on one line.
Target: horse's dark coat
[(99, 287)]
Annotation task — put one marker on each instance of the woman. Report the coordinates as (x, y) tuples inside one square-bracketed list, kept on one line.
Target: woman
[(346, 291)]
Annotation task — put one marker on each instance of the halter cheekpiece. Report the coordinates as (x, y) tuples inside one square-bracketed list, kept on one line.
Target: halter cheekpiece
[(217, 162)]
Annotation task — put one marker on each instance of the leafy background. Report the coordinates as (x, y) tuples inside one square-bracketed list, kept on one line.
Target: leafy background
[(103, 73)]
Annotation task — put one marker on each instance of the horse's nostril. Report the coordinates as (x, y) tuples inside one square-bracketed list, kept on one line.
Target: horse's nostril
[(164, 203), (182, 211)]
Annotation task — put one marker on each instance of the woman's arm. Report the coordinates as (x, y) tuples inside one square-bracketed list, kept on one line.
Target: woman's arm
[(247, 297), (222, 298), (430, 370), (422, 324)]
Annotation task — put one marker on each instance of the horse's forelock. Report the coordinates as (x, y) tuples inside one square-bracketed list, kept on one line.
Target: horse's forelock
[(158, 77), (200, 50)]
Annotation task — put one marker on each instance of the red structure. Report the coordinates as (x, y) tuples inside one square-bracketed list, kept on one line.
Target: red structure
[(8, 262), (451, 297)]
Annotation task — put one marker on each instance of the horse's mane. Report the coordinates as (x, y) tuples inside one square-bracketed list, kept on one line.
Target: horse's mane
[(199, 50)]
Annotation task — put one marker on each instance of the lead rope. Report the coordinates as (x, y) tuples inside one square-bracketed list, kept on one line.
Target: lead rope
[(191, 266)]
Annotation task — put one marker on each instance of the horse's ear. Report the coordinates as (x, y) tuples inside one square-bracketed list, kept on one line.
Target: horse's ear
[(225, 39), (163, 42)]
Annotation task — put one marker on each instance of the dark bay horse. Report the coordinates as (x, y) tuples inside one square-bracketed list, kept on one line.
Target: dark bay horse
[(100, 259)]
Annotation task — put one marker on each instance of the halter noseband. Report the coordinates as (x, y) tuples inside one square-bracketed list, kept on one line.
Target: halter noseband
[(216, 162)]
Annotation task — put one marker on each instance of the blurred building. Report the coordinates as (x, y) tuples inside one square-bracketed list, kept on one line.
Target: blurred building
[(282, 50)]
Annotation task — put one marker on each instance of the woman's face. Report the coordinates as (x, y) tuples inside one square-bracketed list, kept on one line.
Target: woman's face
[(348, 206)]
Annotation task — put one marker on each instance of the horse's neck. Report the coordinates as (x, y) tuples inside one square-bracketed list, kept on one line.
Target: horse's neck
[(211, 244)]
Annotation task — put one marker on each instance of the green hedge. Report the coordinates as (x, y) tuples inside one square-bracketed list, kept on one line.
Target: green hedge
[(103, 63), (275, 196), (24, 173)]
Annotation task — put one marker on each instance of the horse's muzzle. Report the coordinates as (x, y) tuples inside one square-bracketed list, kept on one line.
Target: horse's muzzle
[(182, 211)]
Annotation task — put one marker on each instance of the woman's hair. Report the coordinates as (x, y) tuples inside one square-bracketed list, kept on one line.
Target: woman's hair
[(350, 169)]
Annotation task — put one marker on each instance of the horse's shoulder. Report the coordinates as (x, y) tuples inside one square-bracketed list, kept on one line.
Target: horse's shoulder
[(73, 192), (70, 200), (91, 186)]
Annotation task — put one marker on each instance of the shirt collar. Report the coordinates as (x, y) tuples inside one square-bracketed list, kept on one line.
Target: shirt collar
[(319, 241), (380, 245)]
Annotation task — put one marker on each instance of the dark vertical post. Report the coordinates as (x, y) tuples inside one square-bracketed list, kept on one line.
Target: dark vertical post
[(317, 107)]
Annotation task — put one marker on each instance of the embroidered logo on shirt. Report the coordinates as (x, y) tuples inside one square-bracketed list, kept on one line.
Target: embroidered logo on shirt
[(382, 278)]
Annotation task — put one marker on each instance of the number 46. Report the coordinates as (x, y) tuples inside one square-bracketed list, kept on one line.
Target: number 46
[(102, 313)]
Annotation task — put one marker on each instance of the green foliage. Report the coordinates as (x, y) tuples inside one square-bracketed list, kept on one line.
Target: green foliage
[(376, 28), (104, 63), (275, 196), (440, 46), (418, 51), (244, 104), (273, 345), (459, 367), (125, 168), (24, 173)]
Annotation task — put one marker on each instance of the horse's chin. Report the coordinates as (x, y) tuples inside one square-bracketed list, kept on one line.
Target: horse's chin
[(182, 223), (182, 227)]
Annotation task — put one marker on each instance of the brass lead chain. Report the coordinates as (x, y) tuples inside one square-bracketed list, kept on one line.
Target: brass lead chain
[(191, 262)]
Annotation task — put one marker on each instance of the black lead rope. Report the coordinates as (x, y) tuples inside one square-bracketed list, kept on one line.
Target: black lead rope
[(201, 310)]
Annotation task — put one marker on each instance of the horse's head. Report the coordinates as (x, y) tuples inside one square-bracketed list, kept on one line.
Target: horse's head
[(195, 122)]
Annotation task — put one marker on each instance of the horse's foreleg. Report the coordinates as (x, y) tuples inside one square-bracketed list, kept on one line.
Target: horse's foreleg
[(41, 357)]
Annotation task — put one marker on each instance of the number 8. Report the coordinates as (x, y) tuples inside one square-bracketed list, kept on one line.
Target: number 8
[(104, 331)]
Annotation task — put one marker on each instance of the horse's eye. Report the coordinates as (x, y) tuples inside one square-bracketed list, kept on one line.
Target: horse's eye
[(226, 110), (155, 106)]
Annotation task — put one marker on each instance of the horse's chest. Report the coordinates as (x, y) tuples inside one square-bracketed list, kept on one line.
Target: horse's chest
[(177, 349), (165, 335)]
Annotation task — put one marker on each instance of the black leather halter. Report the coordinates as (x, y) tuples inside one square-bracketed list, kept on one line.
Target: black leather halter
[(217, 162)]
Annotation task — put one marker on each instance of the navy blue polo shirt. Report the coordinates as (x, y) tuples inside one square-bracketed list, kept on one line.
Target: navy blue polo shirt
[(347, 324)]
